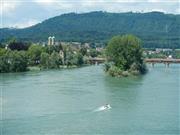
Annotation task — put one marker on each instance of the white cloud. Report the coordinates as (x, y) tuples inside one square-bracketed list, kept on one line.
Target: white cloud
[(25, 24), (90, 5), (16, 13), (178, 10), (164, 1), (45, 2), (54, 4), (8, 6), (159, 10)]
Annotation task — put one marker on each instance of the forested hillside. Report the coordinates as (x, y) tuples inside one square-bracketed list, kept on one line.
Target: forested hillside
[(156, 29)]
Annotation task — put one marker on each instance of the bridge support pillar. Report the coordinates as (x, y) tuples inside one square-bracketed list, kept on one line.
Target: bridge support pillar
[(152, 64)]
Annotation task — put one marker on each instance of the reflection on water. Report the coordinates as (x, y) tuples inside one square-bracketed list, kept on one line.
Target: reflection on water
[(63, 102)]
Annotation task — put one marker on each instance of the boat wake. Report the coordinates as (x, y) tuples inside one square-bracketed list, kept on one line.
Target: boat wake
[(102, 108)]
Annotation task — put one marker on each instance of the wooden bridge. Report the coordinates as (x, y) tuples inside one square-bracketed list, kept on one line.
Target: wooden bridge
[(153, 61)]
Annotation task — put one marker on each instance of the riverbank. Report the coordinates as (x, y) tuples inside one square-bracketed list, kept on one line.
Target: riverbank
[(115, 71), (38, 68)]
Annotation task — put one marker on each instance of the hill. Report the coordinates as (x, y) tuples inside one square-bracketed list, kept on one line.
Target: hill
[(156, 29)]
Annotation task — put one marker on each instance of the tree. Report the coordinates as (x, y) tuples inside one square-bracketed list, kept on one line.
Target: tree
[(93, 53), (69, 58), (13, 61), (2, 45), (55, 60), (58, 47), (4, 64), (14, 45), (34, 53), (44, 61), (83, 51), (2, 51), (51, 48), (78, 59), (18, 61), (177, 54), (126, 53)]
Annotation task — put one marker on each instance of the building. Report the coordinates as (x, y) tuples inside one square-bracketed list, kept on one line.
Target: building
[(6, 47), (170, 57), (51, 40)]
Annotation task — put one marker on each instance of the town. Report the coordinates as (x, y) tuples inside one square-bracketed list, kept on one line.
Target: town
[(58, 54)]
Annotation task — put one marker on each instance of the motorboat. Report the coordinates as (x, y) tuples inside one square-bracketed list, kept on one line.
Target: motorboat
[(107, 106), (102, 108)]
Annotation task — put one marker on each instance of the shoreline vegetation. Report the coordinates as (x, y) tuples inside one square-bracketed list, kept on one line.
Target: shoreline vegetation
[(21, 57), (38, 68), (125, 56)]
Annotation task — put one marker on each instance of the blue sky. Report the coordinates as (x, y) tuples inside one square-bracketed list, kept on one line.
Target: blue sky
[(24, 13)]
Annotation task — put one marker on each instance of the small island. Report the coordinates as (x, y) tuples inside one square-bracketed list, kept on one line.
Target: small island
[(124, 56)]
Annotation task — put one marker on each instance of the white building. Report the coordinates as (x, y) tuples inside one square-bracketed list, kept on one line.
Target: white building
[(51, 40)]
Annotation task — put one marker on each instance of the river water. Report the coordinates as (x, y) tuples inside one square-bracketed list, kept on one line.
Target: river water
[(58, 102)]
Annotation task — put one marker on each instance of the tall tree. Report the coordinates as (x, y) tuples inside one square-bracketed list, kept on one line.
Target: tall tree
[(126, 53), (34, 53)]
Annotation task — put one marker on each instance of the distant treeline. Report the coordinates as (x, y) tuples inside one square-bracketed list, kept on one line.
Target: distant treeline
[(156, 29)]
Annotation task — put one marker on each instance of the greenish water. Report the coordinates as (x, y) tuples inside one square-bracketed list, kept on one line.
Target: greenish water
[(58, 102)]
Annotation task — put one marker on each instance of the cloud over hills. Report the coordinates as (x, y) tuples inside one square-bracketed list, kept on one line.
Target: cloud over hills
[(16, 12)]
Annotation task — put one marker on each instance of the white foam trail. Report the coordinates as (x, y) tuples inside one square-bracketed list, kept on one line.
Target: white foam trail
[(102, 108)]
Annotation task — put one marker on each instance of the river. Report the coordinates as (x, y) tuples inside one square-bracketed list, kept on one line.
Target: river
[(58, 102)]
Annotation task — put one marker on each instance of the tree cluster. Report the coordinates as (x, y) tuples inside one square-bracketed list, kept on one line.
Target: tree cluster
[(48, 57), (13, 61), (124, 56)]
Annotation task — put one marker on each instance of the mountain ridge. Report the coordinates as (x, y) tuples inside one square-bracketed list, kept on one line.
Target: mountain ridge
[(156, 29)]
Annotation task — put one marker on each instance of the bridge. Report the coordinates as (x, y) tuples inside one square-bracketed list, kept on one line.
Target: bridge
[(167, 62), (96, 60), (152, 61)]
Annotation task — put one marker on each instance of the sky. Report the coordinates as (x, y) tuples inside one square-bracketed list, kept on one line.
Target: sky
[(25, 13)]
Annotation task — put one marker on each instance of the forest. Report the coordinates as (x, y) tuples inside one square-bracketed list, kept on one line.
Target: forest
[(156, 29)]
